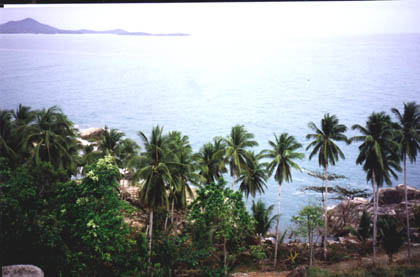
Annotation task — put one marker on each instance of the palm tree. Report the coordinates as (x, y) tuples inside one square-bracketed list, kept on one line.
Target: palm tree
[(282, 157), (328, 153), (110, 142), (409, 127), (154, 170), (210, 161), (127, 150), (52, 138), (253, 179), (236, 145), (182, 170), (379, 154), (6, 135), (23, 115), (262, 216)]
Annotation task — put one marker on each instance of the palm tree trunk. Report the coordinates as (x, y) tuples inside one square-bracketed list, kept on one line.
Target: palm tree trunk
[(310, 244), (172, 211), (325, 233), (277, 230), (406, 210), (375, 213), (150, 234), (233, 181)]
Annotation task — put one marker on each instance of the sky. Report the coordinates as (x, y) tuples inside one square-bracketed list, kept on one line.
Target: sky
[(239, 19)]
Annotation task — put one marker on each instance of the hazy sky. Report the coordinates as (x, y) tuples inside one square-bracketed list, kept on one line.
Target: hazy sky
[(241, 19)]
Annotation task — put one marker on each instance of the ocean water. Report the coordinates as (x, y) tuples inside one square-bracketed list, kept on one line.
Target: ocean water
[(204, 86)]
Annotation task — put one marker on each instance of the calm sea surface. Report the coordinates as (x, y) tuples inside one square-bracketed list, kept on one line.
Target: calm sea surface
[(202, 87)]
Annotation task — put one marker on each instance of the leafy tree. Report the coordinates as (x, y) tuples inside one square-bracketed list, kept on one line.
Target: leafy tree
[(253, 178), (379, 154), (66, 228), (391, 235), (328, 152), (262, 216), (218, 217), (409, 128), (237, 144), (210, 160), (282, 155), (94, 231), (308, 221)]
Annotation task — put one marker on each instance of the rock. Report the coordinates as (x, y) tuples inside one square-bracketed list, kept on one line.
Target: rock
[(396, 195), (22, 270), (391, 202), (90, 133), (347, 240)]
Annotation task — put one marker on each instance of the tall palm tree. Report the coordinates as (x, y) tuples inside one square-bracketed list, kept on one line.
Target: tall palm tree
[(237, 144), (253, 178), (153, 169), (379, 154), (52, 138), (328, 152), (182, 170), (210, 160), (282, 155), (409, 128), (262, 216)]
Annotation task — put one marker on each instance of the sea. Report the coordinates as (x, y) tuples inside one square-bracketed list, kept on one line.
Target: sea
[(202, 86)]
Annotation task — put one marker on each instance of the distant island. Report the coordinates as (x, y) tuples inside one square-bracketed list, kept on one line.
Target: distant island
[(31, 26)]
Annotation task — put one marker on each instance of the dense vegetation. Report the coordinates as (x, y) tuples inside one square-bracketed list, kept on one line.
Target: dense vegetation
[(61, 208)]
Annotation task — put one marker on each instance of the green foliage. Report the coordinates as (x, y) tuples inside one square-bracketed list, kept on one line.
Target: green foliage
[(392, 235), (308, 220), (257, 252), (67, 228), (218, 214)]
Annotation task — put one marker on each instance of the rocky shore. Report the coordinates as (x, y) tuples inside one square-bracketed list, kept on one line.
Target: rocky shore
[(391, 202)]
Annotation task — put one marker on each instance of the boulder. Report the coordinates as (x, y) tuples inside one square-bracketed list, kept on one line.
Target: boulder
[(92, 133), (396, 195), (21, 270), (391, 202)]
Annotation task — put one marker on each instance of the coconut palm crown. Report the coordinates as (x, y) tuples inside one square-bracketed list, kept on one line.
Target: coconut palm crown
[(237, 144), (253, 178), (323, 140)]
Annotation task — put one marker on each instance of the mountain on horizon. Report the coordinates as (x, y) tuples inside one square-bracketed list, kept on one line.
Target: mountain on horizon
[(31, 26)]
